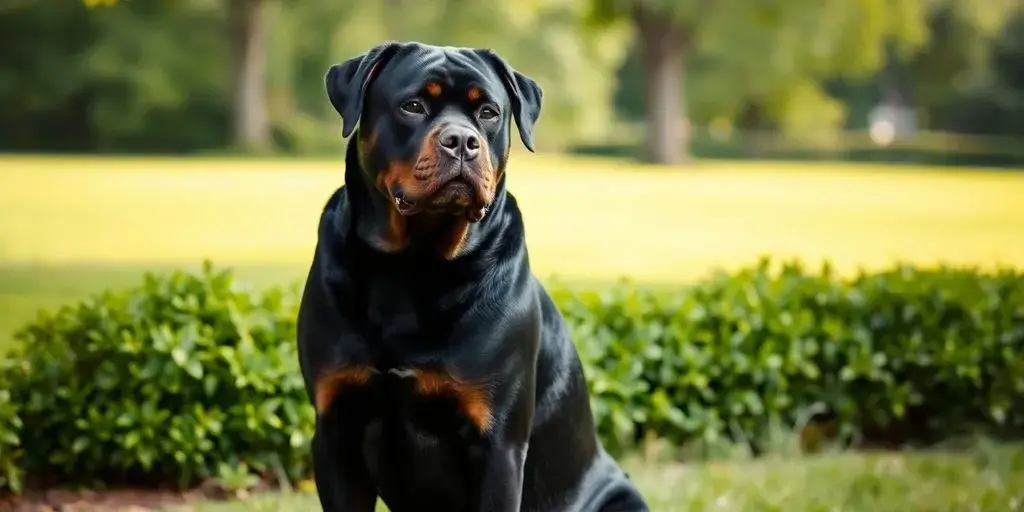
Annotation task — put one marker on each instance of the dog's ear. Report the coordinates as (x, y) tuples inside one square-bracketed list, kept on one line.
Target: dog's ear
[(348, 81), (525, 94)]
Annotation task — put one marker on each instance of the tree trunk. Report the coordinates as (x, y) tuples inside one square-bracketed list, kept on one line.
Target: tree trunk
[(249, 66), (750, 124), (663, 47)]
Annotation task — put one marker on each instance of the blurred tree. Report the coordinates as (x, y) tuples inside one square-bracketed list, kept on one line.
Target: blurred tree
[(538, 37), (159, 76), (248, 42), (1000, 103), (754, 62), (249, 73), (144, 78), (40, 44), (969, 78)]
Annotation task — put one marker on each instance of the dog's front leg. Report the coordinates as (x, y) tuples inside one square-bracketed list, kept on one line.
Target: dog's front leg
[(502, 485), (342, 481)]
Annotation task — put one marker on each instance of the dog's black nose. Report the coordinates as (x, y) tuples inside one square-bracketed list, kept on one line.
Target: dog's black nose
[(459, 142)]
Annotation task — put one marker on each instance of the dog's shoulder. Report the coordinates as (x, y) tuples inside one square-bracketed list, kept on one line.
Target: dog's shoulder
[(333, 215), (332, 230), (336, 200)]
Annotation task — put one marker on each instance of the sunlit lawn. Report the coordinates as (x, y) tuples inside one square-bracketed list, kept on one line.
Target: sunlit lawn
[(585, 218), (69, 226), (847, 482)]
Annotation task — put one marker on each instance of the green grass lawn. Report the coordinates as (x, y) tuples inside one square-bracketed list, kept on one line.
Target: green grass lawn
[(586, 218), (916, 482)]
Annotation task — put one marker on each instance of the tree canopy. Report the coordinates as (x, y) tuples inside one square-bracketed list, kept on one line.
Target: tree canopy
[(157, 76)]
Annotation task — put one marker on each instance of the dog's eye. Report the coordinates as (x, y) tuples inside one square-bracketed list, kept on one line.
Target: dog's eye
[(488, 113), (414, 107)]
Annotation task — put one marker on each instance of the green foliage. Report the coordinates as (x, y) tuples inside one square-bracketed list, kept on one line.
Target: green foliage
[(185, 377), (765, 65), (902, 355), (104, 75), (101, 75), (541, 39), (114, 78), (10, 442), (774, 56), (969, 78), (189, 377)]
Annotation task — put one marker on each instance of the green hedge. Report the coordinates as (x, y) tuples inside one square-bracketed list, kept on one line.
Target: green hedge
[(185, 377), (896, 356), (188, 377), (10, 441)]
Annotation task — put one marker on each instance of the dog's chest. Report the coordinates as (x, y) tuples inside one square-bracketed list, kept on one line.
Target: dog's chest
[(426, 407), (423, 417), (420, 439), (393, 311), (404, 308)]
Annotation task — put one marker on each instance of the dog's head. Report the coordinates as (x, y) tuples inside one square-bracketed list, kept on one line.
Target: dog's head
[(434, 124)]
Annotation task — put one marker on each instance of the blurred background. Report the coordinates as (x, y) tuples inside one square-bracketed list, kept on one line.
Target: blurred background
[(774, 226)]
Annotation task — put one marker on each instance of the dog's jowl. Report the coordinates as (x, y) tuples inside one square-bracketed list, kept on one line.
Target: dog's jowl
[(442, 374)]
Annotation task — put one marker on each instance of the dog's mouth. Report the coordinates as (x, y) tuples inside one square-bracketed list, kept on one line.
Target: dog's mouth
[(452, 196), (404, 205), (456, 197)]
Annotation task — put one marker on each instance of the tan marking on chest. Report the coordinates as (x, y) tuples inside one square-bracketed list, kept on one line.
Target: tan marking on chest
[(473, 398), (334, 380)]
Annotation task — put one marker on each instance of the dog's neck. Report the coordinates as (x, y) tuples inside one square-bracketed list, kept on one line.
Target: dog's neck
[(423, 238)]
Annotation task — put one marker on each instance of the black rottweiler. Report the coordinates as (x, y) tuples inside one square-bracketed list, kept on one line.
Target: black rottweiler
[(443, 376)]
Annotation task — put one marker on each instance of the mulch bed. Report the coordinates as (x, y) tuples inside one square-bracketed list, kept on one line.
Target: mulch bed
[(119, 500), (133, 499), (96, 501)]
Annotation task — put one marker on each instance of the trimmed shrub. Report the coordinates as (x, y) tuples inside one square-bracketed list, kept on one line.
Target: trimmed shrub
[(185, 377), (896, 356), (10, 441), (189, 376)]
